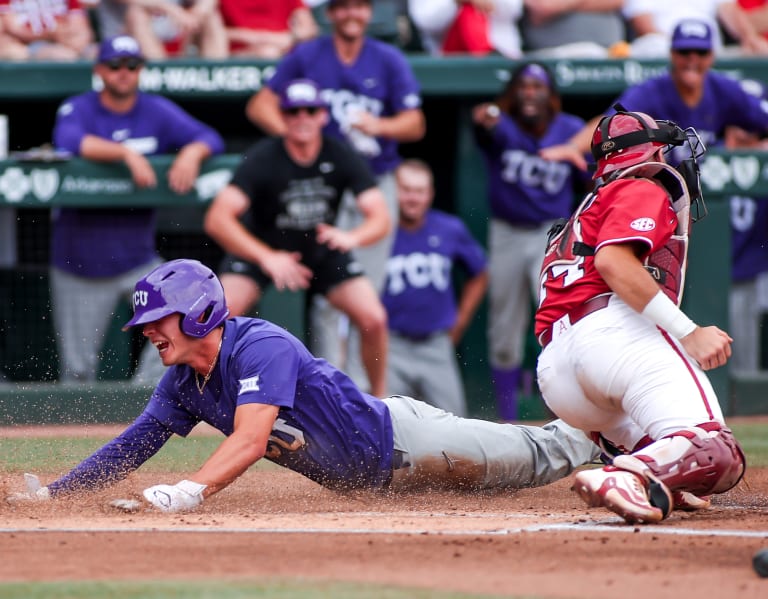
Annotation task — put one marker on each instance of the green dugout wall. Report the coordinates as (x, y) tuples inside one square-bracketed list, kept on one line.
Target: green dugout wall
[(216, 93)]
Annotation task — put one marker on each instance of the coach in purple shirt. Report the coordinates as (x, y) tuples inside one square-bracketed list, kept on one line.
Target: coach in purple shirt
[(98, 253)]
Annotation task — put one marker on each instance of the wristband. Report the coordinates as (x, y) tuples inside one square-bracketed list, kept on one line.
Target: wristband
[(664, 313)]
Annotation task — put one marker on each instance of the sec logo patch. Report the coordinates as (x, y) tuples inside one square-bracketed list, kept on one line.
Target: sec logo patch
[(643, 224)]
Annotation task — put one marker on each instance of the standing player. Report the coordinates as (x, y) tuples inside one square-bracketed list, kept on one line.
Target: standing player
[(261, 387), (425, 323), (527, 194), (276, 216), (375, 105), (97, 253), (619, 357)]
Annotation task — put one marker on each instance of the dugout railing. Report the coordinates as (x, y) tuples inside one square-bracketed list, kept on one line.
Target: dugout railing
[(30, 186)]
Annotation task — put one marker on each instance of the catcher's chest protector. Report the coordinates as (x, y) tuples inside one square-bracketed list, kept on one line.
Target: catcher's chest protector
[(668, 264)]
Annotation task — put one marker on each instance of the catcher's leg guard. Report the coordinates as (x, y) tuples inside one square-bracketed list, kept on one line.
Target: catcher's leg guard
[(701, 460)]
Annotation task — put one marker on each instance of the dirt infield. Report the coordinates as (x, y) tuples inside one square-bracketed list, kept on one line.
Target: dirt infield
[(276, 524)]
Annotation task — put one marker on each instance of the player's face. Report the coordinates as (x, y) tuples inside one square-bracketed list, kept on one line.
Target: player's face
[(120, 76), (173, 346), (350, 18), (414, 194), (689, 67), (532, 98), (304, 124)]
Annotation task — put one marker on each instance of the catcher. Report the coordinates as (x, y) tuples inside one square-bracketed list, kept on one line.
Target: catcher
[(261, 387), (619, 358)]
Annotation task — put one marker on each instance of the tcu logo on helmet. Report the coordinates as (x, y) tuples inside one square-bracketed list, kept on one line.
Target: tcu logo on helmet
[(140, 298)]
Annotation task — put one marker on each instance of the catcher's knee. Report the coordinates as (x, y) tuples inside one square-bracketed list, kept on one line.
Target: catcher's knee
[(703, 459)]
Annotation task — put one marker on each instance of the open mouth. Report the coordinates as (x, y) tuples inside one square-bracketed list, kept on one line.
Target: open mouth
[(161, 346)]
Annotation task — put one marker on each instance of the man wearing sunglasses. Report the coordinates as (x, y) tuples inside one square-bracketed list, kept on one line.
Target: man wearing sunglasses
[(276, 220), (98, 253), (690, 94), (374, 105)]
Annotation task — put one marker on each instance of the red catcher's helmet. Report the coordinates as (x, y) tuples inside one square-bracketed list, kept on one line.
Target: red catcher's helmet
[(613, 151)]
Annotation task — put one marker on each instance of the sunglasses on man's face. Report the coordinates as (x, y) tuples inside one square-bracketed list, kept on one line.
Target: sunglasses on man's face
[(310, 110), (130, 63), (688, 52)]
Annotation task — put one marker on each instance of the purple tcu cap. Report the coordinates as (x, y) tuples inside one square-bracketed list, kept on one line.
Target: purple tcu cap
[(692, 34), (186, 287), (122, 46), (301, 93)]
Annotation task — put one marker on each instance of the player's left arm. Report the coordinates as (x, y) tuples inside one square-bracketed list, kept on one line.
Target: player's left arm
[(406, 126), (621, 269)]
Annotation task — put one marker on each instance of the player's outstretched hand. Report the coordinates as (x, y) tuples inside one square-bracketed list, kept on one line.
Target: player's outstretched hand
[(184, 496), (709, 346), (35, 491)]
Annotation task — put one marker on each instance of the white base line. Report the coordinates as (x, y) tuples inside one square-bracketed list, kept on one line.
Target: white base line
[(607, 527)]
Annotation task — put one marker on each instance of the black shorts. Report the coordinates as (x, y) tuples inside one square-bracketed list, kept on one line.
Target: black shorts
[(329, 267)]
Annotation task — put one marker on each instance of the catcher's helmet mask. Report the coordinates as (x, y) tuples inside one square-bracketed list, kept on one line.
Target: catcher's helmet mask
[(665, 136)]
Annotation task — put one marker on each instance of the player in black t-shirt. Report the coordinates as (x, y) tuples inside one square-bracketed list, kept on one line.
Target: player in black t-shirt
[(275, 220)]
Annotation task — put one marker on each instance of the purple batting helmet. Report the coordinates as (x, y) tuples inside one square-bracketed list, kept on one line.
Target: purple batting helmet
[(187, 287)]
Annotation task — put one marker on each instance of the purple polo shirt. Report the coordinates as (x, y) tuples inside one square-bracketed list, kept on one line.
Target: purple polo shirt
[(380, 81), (749, 237), (104, 242), (418, 294)]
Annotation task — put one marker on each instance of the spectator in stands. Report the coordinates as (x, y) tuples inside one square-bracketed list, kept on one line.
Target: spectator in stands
[(265, 28), (757, 13), (425, 322), (573, 28), (476, 27), (167, 28), (97, 253), (374, 105), (276, 217), (651, 24), (44, 30), (527, 195)]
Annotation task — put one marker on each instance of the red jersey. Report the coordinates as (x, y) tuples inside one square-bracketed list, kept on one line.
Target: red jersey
[(39, 15), (623, 211), (263, 15)]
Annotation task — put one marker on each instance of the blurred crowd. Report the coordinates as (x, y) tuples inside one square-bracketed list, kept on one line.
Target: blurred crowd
[(265, 29), (342, 100)]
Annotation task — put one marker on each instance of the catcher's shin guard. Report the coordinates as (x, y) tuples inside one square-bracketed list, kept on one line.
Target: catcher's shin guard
[(701, 460)]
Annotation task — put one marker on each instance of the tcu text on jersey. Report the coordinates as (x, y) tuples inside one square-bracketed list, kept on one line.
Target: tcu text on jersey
[(532, 171), (418, 270)]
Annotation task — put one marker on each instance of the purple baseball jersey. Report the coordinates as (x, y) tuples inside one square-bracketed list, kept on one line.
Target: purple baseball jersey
[(103, 242), (327, 429), (418, 293), (524, 189), (749, 237), (380, 82), (724, 102)]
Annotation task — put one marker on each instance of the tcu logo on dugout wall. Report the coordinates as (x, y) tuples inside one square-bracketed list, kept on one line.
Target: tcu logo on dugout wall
[(140, 298)]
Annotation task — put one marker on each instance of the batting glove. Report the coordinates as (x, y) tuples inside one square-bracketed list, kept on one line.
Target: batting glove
[(35, 491), (181, 497)]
